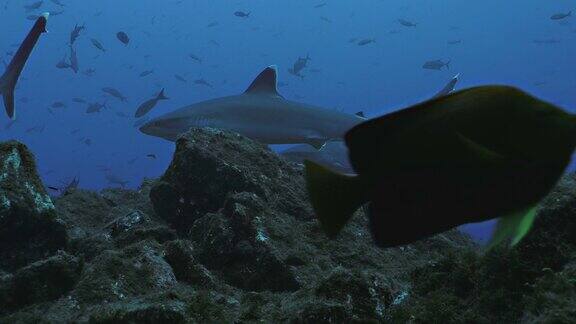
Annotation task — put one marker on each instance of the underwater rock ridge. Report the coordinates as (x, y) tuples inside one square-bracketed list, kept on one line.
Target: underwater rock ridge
[(219, 190), (227, 235), (29, 225)]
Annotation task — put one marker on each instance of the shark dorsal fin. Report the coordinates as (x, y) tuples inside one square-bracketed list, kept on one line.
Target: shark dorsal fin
[(265, 83)]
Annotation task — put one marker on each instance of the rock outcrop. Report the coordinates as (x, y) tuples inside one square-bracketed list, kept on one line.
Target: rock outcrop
[(29, 226), (227, 235)]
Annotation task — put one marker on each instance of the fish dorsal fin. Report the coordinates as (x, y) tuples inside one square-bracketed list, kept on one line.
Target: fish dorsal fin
[(265, 83)]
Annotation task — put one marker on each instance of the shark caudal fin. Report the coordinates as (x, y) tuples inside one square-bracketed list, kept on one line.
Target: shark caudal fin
[(335, 197), (7, 91), (161, 95), (10, 77), (513, 227)]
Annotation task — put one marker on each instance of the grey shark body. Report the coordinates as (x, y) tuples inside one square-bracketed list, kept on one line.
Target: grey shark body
[(260, 113), (334, 154)]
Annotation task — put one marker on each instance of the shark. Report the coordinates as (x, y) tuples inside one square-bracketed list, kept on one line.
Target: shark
[(10, 77), (334, 155), (260, 113)]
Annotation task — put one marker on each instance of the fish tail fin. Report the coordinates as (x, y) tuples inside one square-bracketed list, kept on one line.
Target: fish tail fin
[(448, 64), (335, 197), (513, 227), (161, 95)]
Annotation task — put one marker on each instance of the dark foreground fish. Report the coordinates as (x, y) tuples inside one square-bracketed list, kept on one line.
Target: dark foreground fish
[(10, 77), (482, 153), (145, 107)]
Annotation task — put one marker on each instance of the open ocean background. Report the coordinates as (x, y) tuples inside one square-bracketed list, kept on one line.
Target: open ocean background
[(502, 42)]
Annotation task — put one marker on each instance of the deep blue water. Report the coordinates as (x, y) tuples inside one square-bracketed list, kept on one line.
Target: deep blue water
[(497, 46)]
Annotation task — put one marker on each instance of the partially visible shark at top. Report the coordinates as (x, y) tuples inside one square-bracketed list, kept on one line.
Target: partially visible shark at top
[(10, 77), (259, 113)]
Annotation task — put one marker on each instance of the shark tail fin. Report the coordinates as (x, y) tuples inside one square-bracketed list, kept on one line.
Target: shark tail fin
[(335, 197), (7, 91), (448, 64), (513, 227), (161, 95)]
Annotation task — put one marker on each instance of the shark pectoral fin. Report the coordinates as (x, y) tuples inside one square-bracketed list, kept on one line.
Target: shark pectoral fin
[(317, 143), (513, 227), (8, 94)]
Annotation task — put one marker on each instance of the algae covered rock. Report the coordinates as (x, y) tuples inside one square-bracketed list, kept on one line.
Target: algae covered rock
[(180, 255), (209, 164), (29, 227), (236, 243), (41, 281), (227, 235), (116, 275), (364, 298), (141, 312), (226, 191)]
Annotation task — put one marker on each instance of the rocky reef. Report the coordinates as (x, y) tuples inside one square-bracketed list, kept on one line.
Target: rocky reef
[(226, 235)]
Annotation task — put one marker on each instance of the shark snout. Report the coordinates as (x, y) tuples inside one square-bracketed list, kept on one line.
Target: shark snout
[(158, 128), (145, 129), (149, 128)]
